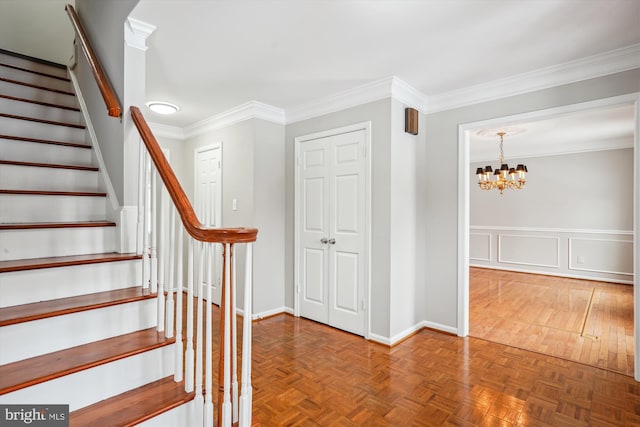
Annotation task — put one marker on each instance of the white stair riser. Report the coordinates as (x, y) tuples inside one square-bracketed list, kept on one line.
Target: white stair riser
[(50, 242), (29, 109), (28, 208), (29, 129), (30, 339), (25, 151), (28, 286), (36, 94), (14, 177), (31, 65), (35, 79), (101, 382), (183, 415)]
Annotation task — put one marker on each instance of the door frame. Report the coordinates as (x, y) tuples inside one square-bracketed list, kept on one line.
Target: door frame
[(464, 176), (218, 250), (366, 126)]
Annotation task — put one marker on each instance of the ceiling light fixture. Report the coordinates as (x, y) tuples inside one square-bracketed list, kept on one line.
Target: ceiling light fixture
[(162, 107), (504, 177)]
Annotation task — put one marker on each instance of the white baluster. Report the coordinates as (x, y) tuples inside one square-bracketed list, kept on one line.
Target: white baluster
[(146, 251), (246, 397), (140, 225), (177, 376), (153, 251), (162, 251), (208, 398), (199, 398), (234, 339), (226, 399), (168, 327), (189, 354)]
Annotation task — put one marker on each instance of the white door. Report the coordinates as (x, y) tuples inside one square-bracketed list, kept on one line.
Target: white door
[(331, 230), (208, 203)]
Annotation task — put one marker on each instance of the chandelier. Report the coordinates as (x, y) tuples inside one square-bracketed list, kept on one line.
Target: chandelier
[(503, 177)]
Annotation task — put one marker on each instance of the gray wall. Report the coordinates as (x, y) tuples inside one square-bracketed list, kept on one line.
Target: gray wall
[(440, 179), (379, 113), (591, 190), (104, 24), (253, 174)]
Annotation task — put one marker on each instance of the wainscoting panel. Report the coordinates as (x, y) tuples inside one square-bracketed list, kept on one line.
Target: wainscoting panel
[(536, 251), (601, 255), (605, 255), (480, 246)]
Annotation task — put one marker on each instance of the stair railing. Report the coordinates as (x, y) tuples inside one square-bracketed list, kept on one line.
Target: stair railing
[(162, 273), (164, 213)]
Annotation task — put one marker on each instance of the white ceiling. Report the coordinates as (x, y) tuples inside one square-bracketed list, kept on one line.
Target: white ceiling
[(595, 129), (210, 56)]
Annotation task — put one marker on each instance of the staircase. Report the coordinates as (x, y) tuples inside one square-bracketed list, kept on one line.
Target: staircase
[(75, 326)]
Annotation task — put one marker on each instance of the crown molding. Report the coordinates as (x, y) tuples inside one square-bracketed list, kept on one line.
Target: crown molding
[(246, 111), (136, 33), (388, 87), (167, 131), (610, 62)]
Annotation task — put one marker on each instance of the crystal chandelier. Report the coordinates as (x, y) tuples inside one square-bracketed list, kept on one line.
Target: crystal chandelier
[(504, 177)]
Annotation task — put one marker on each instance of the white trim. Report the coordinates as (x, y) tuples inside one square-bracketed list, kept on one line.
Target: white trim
[(387, 87), (557, 239), (269, 313), (366, 126), (246, 111), (602, 64), (379, 339), (440, 327), (136, 33), (553, 230), (463, 202), (490, 241), (554, 274), (571, 267), (111, 192), (406, 333)]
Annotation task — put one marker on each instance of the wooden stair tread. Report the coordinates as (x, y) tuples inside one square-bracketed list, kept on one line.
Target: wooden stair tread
[(64, 261), (43, 121), (27, 372), (45, 309), (33, 101), (134, 406), (77, 224), (40, 73), (49, 165), (53, 193), (45, 141), (64, 92)]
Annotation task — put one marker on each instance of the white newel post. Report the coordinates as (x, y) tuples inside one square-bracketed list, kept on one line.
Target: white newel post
[(198, 403), (247, 392), (168, 328), (208, 398), (226, 399), (234, 339), (189, 353)]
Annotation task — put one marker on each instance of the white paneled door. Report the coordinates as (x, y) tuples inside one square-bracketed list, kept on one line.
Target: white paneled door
[(208, 204), (331, 200)]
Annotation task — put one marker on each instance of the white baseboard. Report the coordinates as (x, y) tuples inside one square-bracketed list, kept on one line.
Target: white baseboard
[(557, 274), (269, 313), (439, 327)]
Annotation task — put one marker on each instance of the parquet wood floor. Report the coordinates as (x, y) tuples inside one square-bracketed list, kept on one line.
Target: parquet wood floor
[(581, 320), (308, 374)]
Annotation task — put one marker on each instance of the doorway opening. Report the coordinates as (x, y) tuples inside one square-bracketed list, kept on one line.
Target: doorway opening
[(505, 248)]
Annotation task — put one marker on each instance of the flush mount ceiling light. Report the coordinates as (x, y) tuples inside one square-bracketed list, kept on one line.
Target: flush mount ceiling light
[(162, 107), (504, 177)]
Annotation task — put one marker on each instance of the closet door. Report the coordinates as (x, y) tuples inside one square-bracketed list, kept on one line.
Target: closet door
[(331, 203)]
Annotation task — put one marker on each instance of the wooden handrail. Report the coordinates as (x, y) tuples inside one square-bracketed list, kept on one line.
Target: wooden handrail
[(104, 85), (189, 218)]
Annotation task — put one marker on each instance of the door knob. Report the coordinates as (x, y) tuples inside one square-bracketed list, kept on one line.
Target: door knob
[(332, 241), (324, 240)]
